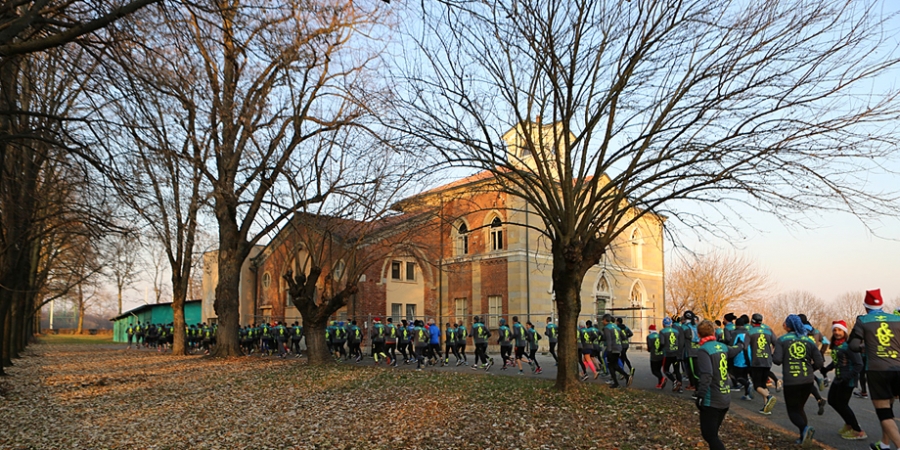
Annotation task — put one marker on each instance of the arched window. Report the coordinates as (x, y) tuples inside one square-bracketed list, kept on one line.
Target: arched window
[(338, 271), (496, 230), (462, 240), (602, 295), (266, 279), (637, 295), (637, 251)]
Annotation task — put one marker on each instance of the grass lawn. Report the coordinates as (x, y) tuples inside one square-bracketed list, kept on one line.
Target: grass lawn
[(78, 339), (80, 396)]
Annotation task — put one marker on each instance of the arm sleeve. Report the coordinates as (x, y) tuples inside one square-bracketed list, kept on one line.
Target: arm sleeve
[(856, 360), (779, 354), (704, 368), (736, 349), (857, 338), (818, 360)]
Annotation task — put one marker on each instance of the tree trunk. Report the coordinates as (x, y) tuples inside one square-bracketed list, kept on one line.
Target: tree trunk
[(227, 303), (567, 285), (17, 325), (5, 338), (178, 297), (80, 328), (316, 348)]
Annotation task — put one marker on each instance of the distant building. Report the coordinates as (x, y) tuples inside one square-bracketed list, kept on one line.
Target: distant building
[(158, 313), (474, 255)]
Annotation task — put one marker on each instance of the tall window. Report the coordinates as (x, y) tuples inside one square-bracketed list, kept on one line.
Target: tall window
[(338, 271), (410, 311), (460, 304), (637, 253), (397, 311), (411, 271), (637, 296), (462, 240), (267, 279), (395, 269), (496, 234), (495, 308), (602, 295)]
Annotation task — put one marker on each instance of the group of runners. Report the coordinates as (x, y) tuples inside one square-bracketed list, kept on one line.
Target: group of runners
[(741, 352)]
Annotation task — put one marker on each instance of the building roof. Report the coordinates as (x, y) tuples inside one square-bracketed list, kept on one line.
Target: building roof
[(147, 306)]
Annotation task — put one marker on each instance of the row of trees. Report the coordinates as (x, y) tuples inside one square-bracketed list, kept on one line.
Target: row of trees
[(714, 284), (238, 114)]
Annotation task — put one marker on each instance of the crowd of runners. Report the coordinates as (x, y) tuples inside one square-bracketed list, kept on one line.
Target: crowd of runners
[(740, 352), (707, 358)]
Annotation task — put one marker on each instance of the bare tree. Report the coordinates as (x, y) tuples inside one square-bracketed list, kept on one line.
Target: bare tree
[(600, 113), (278, 82), (121, 254), (38, 25), (776, 309), (711, 285)]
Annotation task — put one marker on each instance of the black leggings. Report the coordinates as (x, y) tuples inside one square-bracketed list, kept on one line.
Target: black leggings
[(656, 370), (668, 364), (403, 346), (624, 358), (553, 351), (710, 421), (461, 348), (505, 352), (481, 352), (795, 397), (839, 399), (391, 350), (531, 354)]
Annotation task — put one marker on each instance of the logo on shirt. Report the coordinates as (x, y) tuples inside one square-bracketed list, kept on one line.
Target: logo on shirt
[(797, 350)]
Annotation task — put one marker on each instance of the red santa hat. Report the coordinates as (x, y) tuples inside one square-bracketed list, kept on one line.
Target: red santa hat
[(378, 319), (873, 299), (840, 324), (652, 327)]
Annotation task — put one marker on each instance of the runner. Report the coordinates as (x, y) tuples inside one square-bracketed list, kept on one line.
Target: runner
[(613, 348), (462, 335), (741, 361), (625, 343), (533, 338), (390, 341), (552, 333), (403, 339), (130, 333), (692, 347), (281, 337), (354, 340), (657, 355), (480, 336), (518, 332), (799, 357), (761, 341), (713, 395), (420, 339), (434, 346), (586, 348), (504, 339), (671, 340), (450, 339), (296, 337), (879, 332), (378, 332), (846, 365)]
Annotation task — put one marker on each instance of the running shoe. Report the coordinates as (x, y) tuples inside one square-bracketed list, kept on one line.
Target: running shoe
[(861, 394), (538, 371), (596, 374), (764, 412), (844, 429), (746, 398), (630, 380), (827, 382), (489, 364), (663, 384), (822, 403), (808, 433), (853, 435), (875, 445), (779, 385), (584, 378), (821, 383), (770, 404)]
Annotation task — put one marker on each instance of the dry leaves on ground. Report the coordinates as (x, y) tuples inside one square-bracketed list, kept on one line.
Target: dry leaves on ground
[(89, 397)]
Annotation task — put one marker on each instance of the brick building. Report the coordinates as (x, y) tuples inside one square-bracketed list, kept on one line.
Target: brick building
[(465, 250)]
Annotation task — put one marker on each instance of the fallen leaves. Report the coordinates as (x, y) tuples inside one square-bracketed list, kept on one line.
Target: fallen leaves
[(83, 397)]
